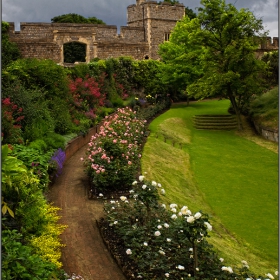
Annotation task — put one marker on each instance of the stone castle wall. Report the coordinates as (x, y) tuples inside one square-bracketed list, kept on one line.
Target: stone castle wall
[(148, 25)]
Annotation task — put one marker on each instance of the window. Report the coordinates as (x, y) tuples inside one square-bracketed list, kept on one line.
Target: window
[(166, 36)]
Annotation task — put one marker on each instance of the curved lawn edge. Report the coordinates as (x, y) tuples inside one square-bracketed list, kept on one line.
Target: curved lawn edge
[(237, 245)]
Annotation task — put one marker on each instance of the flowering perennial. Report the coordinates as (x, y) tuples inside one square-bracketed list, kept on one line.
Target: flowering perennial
[(113, 154), (165, 244)]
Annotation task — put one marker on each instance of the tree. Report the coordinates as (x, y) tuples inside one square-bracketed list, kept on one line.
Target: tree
[(227, 53), (75, 18), (180, 56), (9, 50)]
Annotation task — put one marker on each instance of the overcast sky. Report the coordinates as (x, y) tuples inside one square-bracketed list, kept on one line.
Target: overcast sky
[(113, 12)]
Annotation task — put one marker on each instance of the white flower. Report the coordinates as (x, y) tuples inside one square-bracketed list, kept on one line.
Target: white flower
[(161, 252), (131, 191), (166, 225), (270, 276), (173, 210), (141, 178), (168, 239), (154, 183), (197, 215), (180, 214), (276, 272), (113, 201), (162, 191), (145, 244), (166, 275), (144, 187), (100, 194), (224, 268), (128, 252), (157, 233), (134, 183), (159, 185), (209, 227), (191, 249), (173, 205), (244, 262), (159, 226), (189, 212), (229, 269), (221, 259), (123, 198), (190, 219), (197, 269), (163, 205), (180, 267), (184, 210), (115, 222), (174, 217)]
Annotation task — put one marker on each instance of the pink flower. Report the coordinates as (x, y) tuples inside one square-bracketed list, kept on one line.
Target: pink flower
[(115, 140), (97, 171), (129, 163)]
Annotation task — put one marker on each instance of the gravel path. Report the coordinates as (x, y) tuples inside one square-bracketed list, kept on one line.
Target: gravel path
[(85, 253)]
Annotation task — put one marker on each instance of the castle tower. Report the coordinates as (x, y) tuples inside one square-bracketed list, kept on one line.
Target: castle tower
[(156, 19)]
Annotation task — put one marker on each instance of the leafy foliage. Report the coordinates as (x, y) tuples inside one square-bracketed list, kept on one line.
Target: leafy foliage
[(20, 262), (272, 60), (75, 18), (9, 50), (224, 48)]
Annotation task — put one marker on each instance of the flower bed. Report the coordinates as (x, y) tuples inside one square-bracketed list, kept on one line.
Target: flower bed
[(113, 154), (150, 240)]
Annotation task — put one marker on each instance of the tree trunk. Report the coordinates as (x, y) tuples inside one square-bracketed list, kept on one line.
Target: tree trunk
[(236, 110)]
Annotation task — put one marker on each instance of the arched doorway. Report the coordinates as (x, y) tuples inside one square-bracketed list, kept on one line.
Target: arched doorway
[(74, 52)]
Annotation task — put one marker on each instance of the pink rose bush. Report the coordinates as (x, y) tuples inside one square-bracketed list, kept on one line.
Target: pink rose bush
[(113, 154)]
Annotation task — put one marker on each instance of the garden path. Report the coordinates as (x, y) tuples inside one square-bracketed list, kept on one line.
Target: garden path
[(85, 253)]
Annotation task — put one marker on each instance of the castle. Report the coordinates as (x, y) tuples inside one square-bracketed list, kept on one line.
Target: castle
[(148, 25)]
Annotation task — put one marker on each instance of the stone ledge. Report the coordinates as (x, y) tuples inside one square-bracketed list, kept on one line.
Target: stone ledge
[(267, 133)]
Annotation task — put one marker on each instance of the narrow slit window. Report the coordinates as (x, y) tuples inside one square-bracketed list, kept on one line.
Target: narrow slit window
[(166, 36)]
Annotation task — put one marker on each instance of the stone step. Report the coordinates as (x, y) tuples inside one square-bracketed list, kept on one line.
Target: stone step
[(215, 122)]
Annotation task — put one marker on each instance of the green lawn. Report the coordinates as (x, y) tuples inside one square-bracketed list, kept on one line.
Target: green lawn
[(225, 175)]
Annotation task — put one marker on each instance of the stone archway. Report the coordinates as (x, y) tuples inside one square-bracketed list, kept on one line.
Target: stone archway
[(74, 52), (86, 37)]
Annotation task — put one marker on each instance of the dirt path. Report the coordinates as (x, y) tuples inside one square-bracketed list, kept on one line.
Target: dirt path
[(85, 253)]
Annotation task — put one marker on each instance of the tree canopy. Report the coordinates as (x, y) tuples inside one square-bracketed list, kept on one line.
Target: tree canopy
[(10, 50), (75, 18), (213, 55)]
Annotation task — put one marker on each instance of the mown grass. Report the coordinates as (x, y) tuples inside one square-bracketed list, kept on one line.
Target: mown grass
[(223, 174)]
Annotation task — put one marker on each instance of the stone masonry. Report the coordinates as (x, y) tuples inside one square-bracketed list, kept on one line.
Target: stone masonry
[(148, 25)]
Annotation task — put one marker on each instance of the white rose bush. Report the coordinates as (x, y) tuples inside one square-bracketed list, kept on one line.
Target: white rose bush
[(158, 242)]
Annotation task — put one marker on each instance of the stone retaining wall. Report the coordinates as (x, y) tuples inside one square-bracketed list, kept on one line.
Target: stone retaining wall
[(267, 133)]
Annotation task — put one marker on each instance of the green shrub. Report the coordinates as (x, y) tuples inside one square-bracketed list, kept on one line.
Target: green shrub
[(36, 161), (54, 141), (39, 145), (43, 74), (9, 50), (61, 114), (20, 261)]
